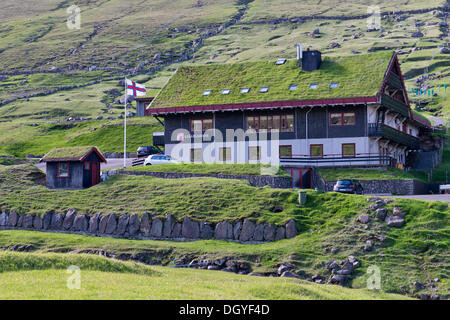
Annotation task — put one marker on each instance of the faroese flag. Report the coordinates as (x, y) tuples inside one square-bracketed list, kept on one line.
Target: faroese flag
[(135, 89)]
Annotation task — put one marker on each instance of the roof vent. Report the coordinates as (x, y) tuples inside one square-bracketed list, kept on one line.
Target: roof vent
[(311, 60)]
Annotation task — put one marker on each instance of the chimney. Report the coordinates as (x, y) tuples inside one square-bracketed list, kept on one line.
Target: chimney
[(311, 60)]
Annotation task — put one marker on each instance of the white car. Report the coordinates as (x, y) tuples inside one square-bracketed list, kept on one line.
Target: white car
[(158, 159)]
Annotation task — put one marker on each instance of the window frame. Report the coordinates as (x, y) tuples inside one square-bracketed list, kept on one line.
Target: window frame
[(316, 145), (285, 146), (191, 121), (258, 153), (283, 118), (349, 155), (59, 170), (193, 154), (342, 119)]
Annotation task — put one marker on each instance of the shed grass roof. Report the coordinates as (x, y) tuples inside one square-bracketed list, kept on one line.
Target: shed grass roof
[(357, 76), (69, 153)]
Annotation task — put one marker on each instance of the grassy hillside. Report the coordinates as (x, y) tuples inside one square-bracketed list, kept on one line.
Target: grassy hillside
[(43, 276)]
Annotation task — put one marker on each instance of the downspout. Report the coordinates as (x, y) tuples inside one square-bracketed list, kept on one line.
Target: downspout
[(307, 133)]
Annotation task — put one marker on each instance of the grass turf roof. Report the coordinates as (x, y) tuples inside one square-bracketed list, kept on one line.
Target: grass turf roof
[(67, 153), (357, 75)]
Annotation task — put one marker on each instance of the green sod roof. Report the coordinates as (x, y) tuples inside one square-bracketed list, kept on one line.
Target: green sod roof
[(357, 76), (70, 153)]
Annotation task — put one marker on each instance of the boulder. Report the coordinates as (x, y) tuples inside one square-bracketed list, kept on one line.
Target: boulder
[(280, 234), (176, 231), (223, 230), (111, 224), (3, 219), (269, 232), (381, 213), (81, 223), (37, 222), (339, 279), (94, 223), (237, 230), (291, 229), (398, 212), (20, 221), (122, 224), (133, 225), (68, 220), (28, 221), (190, 229), (394, 221), (57, 221), (206, 231), (363, 219), (13, 218), (289, 274), (167, 227), (282, 269), (145, 225), (157, 228), (248, 229), (47, 220), (259, 233)]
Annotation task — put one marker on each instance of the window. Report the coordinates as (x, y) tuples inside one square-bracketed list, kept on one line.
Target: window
[(254, 153), (201, 124), (206, 92), (224, 154), (316, 150), (283, 122), (280, 61), (293, 87), (342, 119), (245, 90), (313, 85), (264, 89), (334, 85), (348, 149), (226, 91), (87, 165), (196, 155), (285, 151), (63, 169)]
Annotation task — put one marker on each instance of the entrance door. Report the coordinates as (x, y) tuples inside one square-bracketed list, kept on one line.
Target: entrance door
[(95, 173), (301, 177)]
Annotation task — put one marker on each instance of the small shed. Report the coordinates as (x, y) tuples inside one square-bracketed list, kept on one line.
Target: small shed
[(73, 168)]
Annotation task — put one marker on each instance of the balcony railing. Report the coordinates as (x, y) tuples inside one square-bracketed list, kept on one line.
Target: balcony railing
[(383, 131), (395, 105), (394, 81), (359, 160)]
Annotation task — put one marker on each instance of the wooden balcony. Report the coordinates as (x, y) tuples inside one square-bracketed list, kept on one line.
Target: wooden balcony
[(386, 132), (395, 105)]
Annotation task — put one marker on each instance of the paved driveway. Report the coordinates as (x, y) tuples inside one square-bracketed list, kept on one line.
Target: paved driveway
[(111, 163), (434, 197)]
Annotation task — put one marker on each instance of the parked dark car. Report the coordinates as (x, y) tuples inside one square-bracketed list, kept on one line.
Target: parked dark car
[(145, 151), (348, 186)]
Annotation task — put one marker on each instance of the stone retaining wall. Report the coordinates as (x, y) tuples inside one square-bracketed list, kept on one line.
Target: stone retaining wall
[(396, 186), (256, 181), (147, 227)]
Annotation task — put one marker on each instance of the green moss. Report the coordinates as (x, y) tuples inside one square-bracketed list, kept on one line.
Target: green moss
[(67, 153), (358, 76)]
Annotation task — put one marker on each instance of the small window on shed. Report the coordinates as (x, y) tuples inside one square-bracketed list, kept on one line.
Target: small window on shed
[(334, 85), (63, 169), (245, 90), (314, 86), (293, 87), (264, 89), (280, 61), (206, 92), (226, 91)]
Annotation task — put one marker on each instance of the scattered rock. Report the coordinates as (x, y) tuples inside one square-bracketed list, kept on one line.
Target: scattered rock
[(398, 212), (289, 274), (394, 221), (363, 219), (381, 213)]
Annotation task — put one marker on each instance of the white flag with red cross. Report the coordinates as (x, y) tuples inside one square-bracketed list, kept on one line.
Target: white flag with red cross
[(135, 89)]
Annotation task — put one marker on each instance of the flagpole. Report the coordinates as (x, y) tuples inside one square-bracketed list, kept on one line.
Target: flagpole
[(125, 128)]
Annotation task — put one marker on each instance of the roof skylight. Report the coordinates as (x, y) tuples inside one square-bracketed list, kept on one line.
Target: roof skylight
[(264, 89), (206, 92), (226, 91), (280, 61), (313, 85), (245, 90), (334, 85), (293, 87)]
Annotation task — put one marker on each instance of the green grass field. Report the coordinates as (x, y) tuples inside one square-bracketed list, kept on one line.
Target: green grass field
[(44, 276)]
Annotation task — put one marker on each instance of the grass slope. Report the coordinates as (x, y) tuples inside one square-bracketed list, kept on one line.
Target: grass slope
[(41, 276)]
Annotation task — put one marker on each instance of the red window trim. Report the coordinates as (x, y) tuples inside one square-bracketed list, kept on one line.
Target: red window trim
[(221, 149), (258, 153), (316, 145), (285, 146), (270, 123), (354, 150), (342, 119), (202, 120), (68, 170)]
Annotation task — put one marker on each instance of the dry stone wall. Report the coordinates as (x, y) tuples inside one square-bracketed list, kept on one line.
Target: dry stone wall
[(147, 226)]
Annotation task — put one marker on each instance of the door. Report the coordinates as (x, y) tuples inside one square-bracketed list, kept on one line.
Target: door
[(95, 173), (301, 177)]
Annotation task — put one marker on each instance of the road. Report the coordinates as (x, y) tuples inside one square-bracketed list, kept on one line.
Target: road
[(434, 197), (111, 163)]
